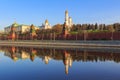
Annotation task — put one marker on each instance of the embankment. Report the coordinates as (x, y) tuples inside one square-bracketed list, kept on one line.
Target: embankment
[(62, 43)]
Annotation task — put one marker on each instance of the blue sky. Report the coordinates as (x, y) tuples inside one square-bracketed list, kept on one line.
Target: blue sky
[(36, 11)]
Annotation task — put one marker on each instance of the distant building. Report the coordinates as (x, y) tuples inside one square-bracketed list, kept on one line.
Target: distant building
[(68, 20), (7, 29), (67, 24), (46, 25), (23, 29), (18, 28)]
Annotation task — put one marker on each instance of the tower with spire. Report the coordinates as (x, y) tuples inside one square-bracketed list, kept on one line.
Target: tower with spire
[(67, 24), (68, 20), (12, 34), (66, 17), (32, 32)]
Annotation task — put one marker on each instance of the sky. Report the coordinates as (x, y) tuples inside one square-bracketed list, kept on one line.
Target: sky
[(37, 11)]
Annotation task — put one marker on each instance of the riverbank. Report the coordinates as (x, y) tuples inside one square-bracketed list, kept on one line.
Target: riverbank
[(62, 43)]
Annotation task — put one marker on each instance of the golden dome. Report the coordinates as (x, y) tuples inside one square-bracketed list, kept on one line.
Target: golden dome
[(66, 11), (14, 24), (46, 21)]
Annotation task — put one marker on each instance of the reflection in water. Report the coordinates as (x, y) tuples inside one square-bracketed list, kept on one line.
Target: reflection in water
[(67, 56), (67, 61)]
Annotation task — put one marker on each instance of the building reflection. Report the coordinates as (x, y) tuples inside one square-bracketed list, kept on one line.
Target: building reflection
[(33, 53), (67, 59), (46, 59), (67, 56)]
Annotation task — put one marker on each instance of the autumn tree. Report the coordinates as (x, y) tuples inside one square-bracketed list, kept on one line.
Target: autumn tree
[(57, 28), (116, 26)]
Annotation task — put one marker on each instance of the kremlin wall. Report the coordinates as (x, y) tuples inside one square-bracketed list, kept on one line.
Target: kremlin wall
[(66, 31)]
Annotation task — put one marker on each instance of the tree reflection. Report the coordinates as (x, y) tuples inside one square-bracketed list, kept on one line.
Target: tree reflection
[(68, 56)]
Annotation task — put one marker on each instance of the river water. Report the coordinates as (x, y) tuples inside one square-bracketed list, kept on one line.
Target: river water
[(30, 63)]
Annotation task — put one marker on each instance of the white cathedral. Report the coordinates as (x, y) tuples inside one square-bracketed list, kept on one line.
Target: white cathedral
[(46, 25), (68, 20)]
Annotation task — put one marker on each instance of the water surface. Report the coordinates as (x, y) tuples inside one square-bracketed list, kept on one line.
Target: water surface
[(29, 63)]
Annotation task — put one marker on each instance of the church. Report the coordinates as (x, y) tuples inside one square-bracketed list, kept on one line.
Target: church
[(46, 25)]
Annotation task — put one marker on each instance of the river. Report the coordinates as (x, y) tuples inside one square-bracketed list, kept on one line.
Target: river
[(33, 63)]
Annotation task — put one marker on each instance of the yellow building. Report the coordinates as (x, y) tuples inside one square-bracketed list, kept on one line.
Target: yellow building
[(18, 28)]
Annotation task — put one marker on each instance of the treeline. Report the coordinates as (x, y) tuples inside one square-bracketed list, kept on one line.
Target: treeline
[(89, 27), (81, 27), (101, 27)]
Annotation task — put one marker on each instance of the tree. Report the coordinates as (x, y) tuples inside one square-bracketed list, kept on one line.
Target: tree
[(57, 28), (111, 28), (116, 26), (96, 26)]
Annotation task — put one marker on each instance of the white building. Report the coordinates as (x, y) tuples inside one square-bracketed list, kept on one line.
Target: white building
[(46, 25), (7, 29), (18, 28), (68, 20)]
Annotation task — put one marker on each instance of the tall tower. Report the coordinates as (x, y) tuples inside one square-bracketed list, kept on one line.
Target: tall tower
[(12, 33), (32, 32), (66, 18), (70, 22)]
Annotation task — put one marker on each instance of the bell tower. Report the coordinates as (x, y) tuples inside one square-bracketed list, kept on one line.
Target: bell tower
[(66, 18), (12, 33)]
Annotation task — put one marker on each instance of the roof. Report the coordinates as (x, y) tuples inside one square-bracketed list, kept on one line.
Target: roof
[(24, 25), (15, 24), (8, 27), (46, 21)]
